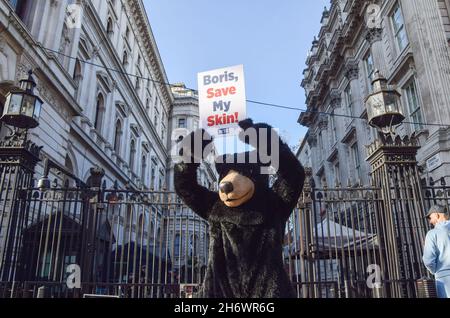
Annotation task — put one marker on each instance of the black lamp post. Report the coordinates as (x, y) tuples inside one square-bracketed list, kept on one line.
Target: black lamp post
[(22, 108), (18, 159)]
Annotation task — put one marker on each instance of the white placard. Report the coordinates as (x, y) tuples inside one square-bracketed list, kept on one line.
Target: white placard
[(222, 101), (434, 162)]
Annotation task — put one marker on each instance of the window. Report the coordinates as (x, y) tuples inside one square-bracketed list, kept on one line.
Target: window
[(161, 179), (118, 137), (333, 129), (399, 28), (415, 112), (143, 168), (155, 119), (129, 219), (141, 228), (110, 27), (337, 173), (138, 83), (193, 245), (99, 111), (369, 71), (182, 123), (349, 100), (147, 104), (139, 61), (132, 154), (321, 148), (22, 8), (125, 58), (356, 161), (77, 76), (152, 181), (160, 184)]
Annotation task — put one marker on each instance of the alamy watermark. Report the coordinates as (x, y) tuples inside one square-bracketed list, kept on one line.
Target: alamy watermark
[(373, 16), (193, 150), (74, 14), (74, 278), (374, 278)]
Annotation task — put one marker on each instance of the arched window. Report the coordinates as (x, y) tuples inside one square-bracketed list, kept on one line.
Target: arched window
[(143, 168), (132, 154), (99, 111), (110, 27), (118, 137)]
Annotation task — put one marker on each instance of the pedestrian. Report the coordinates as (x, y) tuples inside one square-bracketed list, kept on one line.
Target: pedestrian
[(436, 253)]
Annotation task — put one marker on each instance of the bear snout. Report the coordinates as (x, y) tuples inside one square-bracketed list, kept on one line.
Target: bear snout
[(226, 187)]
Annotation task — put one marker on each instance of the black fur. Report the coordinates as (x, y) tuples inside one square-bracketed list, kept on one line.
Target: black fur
[(245, 252)]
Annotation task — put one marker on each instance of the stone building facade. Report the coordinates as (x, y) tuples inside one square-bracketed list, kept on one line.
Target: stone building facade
[(106, 99), (408, 42)]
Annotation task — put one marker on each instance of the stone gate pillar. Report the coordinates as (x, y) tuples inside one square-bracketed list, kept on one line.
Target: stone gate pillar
[(400, 222)]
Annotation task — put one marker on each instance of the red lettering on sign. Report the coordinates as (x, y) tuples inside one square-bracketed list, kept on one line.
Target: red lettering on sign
[(220, 120), (211, 93)]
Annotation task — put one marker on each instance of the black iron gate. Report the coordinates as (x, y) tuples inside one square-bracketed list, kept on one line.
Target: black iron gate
[(125, 243), (70, 239), (337, 245)]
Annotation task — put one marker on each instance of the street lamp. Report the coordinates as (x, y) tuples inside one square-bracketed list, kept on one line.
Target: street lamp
[(22, 108), (383, 105)]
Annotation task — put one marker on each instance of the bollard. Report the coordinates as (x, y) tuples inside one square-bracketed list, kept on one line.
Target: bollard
[(426, 288)]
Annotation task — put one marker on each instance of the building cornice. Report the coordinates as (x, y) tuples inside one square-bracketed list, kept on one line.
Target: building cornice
[(137, 9)]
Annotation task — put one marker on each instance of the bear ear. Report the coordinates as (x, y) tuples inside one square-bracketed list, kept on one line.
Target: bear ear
[(245, 124)]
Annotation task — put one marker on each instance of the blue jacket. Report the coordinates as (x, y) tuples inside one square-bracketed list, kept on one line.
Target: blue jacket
[(436, 253)]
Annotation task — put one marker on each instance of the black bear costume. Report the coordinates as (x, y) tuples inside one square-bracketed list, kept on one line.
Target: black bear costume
[(245, 251)]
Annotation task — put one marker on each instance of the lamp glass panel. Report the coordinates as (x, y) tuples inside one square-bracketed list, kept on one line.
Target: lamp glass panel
[(15, 103), (37, 109), (391, 103), (28, 105)]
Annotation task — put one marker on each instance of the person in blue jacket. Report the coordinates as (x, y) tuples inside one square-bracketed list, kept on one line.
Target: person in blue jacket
[(436, 253)]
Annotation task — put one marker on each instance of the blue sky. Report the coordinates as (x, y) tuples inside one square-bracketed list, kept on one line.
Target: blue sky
[(270, 38)]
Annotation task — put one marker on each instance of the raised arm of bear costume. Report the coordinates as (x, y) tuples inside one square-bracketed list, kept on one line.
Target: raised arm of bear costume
[(247, 219), (290, 176), (196, 197)]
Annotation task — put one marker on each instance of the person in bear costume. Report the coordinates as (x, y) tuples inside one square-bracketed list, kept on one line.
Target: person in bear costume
[(246, 218)]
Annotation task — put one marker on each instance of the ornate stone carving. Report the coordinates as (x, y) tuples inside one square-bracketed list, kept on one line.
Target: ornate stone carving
[(323, 121), (336, 99), (374, 35), (352, 71)]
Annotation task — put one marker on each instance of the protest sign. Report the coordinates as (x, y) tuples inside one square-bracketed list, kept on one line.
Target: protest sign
[(222, 101)]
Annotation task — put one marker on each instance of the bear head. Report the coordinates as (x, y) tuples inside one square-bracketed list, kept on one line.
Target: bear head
[(240, 178)]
